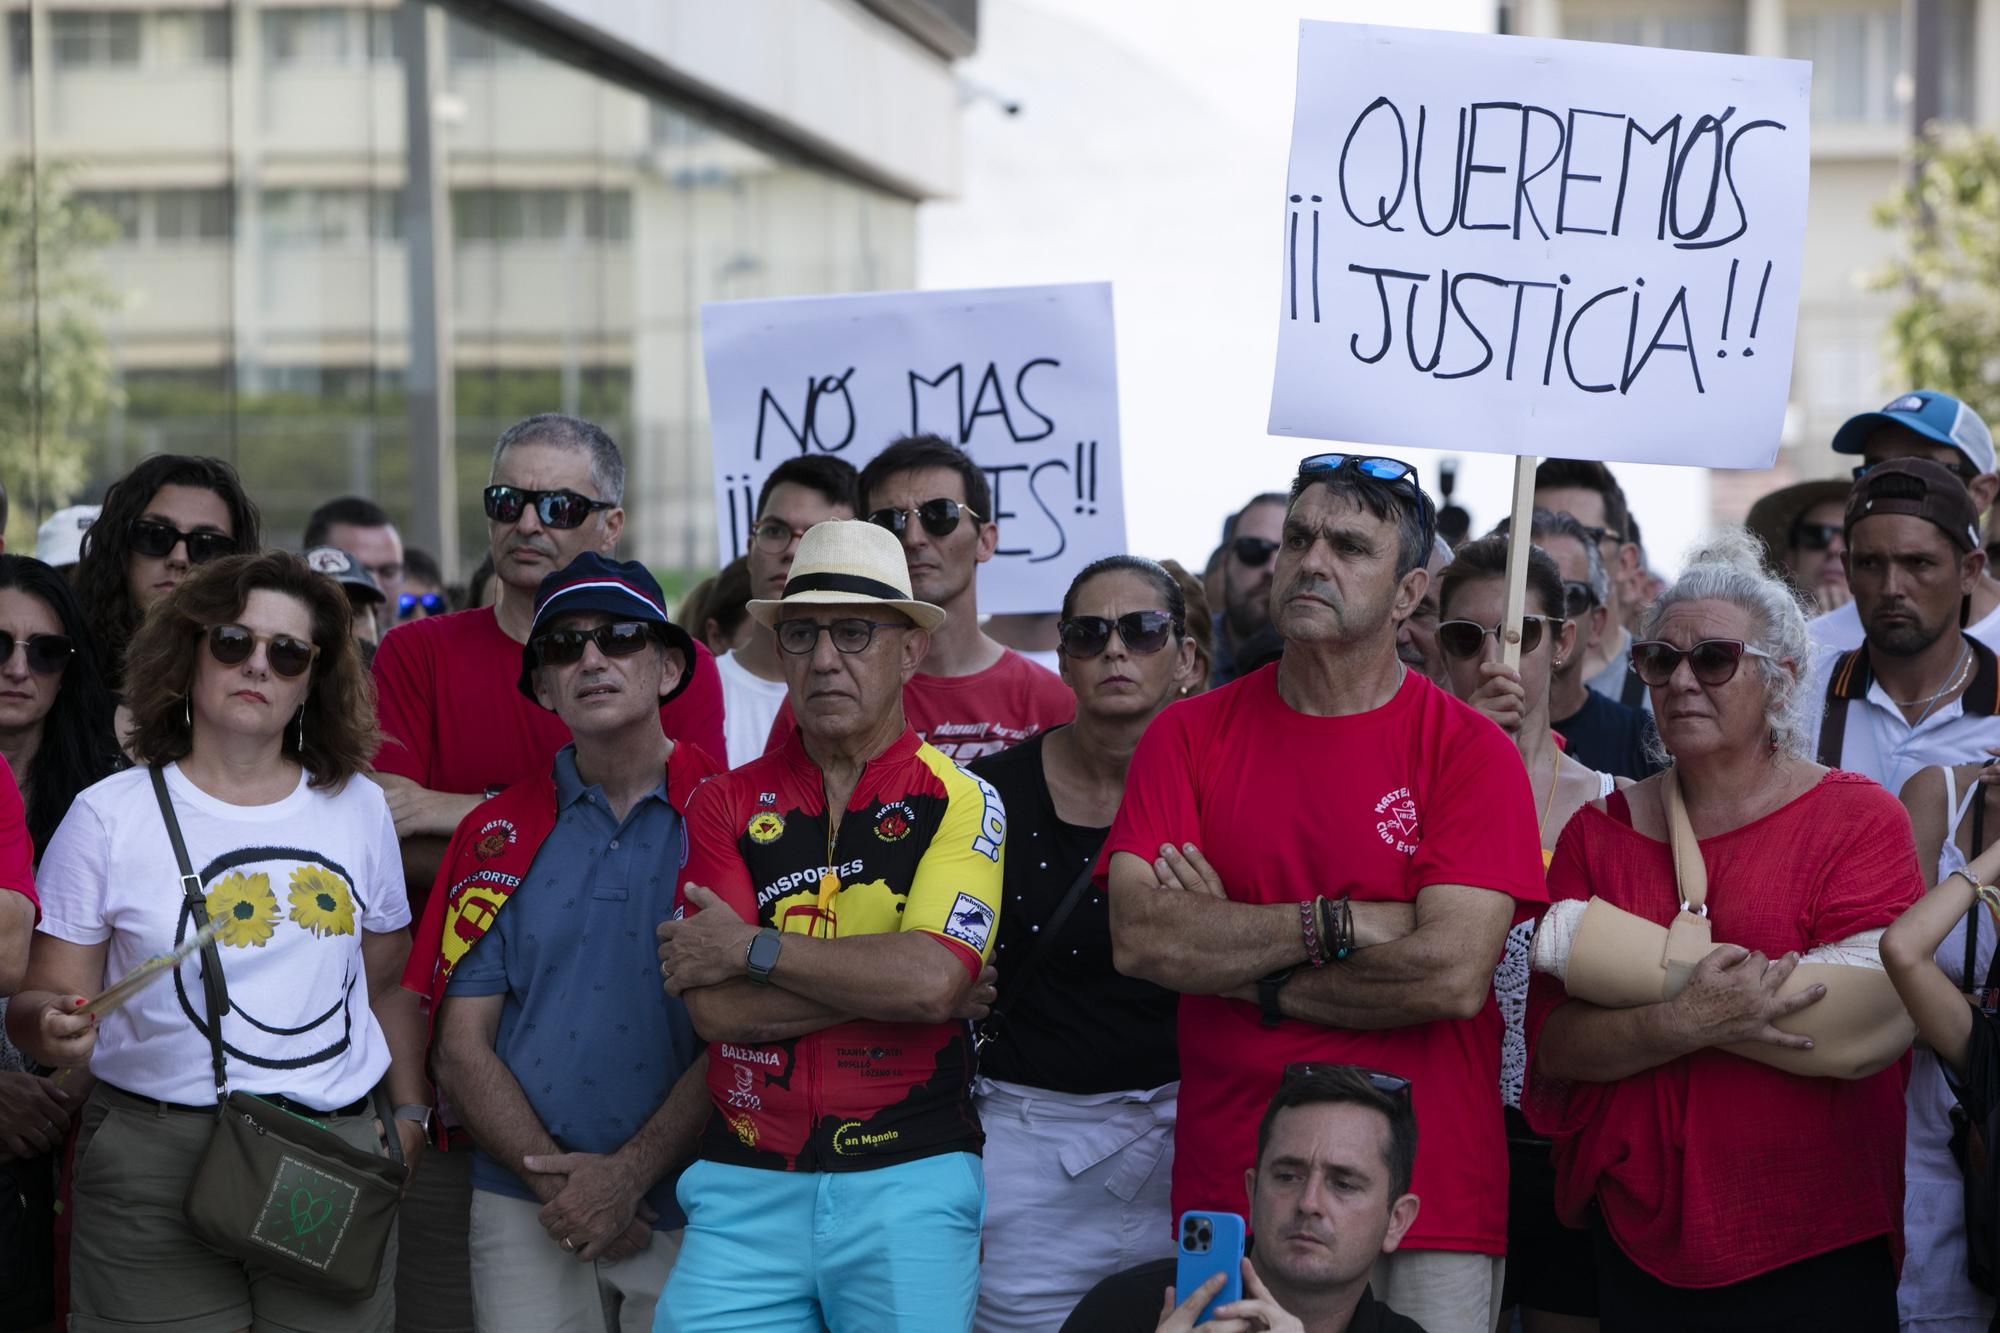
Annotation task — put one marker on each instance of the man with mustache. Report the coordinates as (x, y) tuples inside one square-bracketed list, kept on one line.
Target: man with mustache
[(1247, 548)]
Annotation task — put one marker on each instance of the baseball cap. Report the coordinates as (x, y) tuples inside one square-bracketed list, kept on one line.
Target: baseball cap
[(1922, 488), (59, 541), (345, 570), (624, 589), (1937, 417)]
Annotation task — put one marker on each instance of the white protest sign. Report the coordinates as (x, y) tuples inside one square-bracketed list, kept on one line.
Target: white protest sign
[(1025, 379), (1540, 247)]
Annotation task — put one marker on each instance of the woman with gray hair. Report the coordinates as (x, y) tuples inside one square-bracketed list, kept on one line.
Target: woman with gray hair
[(1713, 1046)]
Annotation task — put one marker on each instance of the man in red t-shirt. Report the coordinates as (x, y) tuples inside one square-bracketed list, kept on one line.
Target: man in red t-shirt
[(1336, 803), (974, 696)]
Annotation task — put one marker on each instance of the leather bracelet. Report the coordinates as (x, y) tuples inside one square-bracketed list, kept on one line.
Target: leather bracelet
[(1343, 927), (1309, 929)]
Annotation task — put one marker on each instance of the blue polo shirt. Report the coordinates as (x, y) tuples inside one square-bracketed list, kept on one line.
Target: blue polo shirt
[(586, 1030)]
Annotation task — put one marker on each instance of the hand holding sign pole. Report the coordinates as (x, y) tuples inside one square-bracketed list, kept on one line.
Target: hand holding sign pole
[(1540, 248)]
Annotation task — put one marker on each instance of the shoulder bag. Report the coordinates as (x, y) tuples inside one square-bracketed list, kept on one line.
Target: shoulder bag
[(274, 1188)]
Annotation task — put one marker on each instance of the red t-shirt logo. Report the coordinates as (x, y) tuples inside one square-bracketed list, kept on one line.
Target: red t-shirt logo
[(1396, 820)]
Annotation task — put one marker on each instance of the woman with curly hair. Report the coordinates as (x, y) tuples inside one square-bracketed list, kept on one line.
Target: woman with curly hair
[(246, 691)]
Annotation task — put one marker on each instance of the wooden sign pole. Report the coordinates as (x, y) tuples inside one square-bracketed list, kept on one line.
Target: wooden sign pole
[(1519, 542)]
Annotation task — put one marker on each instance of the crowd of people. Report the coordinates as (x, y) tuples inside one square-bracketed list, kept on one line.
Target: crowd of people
[(820, 954)]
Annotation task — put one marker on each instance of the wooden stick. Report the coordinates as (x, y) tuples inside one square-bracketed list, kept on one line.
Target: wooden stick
[(1519, 542)]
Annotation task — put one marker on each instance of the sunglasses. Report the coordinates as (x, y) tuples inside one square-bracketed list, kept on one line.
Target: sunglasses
[(1255, 552), (232, 645), (621, 638), (799, 637), (1713, 661), (1391, 1085), (556, 509), (939, 518), (1378, 469), (47, 653), (1463, 638), (1814, 536), (1140, 631), (774, 534), (1578, 598), (153, 538), (407, 604)]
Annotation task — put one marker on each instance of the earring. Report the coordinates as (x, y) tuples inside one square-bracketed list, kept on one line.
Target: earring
[(187, 712), (301, 747)]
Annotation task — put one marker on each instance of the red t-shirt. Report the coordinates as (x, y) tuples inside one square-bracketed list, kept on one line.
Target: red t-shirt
[(17, 849), (453, 720), (1376, 806), (964, 717), (1711, 1169)]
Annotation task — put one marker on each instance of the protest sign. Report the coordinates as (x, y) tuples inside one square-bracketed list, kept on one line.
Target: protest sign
[(1023, 378), (1526, 247)]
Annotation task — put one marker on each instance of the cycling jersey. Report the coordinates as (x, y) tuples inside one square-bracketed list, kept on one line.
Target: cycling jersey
[(918, 848)]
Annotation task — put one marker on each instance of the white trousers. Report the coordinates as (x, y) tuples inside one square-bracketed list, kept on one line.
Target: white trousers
[(524, 1282)]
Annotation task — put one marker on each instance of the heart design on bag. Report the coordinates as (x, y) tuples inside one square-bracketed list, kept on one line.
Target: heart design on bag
[(309, 1212)]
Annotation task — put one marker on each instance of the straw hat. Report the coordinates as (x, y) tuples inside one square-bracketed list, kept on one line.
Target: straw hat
[(846, 562)]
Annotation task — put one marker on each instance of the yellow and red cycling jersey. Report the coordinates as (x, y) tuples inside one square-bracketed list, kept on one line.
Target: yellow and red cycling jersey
[(918, 848)]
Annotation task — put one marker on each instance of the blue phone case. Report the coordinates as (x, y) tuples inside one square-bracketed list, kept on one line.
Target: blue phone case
[(1224, 1238)]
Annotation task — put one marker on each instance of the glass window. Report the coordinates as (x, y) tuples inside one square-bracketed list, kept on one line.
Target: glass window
[(121, 206), (82, 38), (1710, 27), (187, 216), (1857, 55), (188, 37)]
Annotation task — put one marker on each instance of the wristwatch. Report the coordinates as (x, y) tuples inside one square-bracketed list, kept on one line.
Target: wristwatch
[(763, 955), (1267, 995), (418, 1115)]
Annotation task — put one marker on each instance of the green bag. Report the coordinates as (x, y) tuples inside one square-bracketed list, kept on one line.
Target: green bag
[(275, 1188)]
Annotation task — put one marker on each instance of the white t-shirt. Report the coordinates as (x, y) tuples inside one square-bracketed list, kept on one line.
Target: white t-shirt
[(750, 705), (1879, 741), (1841, 628), (299, 880)]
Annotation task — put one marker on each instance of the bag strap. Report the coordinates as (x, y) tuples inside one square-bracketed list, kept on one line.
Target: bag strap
[(1690, 871), (211, 960), (1633, 693), (1833, 725), (1053, 927)]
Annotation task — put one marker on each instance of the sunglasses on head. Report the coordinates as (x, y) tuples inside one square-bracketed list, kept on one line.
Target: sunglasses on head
[(407, 604), (1391, 1085), (556, 509), (47, 653), (1140, 631), (939, 517), (849, 635), (1578, 598), (156, 539), (620, 638), (1814, 536), (1255, 552), (1713, 661), (1463, 638), (232, 645), (1393, 470)]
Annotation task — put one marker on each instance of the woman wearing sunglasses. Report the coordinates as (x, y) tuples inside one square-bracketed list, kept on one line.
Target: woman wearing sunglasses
[(1549, 1274), (248, 694), (1723, 1190), (1072, 1049), (163, 519)]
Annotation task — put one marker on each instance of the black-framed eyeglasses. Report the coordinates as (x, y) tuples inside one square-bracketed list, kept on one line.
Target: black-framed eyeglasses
[(1713, 661), (1393, 470), (850, 635), (938, 517), (1255, 552), (290, 657), (1962, 469), (1390, 1085), (431, 602), (154, 538), (556, 509), (47, 653), (1463, 638), (1815, 536), (620, 638), (774, 534), (1147, 632), (1602, 535), (1579, 598)]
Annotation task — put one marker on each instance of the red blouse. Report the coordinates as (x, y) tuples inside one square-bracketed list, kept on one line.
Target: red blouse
[(1711, 1169)]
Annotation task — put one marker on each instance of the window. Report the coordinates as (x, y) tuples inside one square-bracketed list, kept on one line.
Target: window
[(329, 217), (1857, 54), (81, 38), (329, 37), (607, 215), (188, 37), (1691, 28), (121, 206), (187, 217), (507, 216)]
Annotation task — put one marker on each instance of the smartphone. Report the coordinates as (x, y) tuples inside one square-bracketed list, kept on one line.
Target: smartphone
[(1211, 1243)]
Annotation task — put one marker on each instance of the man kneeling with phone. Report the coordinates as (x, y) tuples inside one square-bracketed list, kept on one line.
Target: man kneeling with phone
[(1329, 1195)]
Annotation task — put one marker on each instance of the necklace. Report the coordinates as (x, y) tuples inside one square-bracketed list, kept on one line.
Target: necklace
[(1958, 672), (1549, 802)]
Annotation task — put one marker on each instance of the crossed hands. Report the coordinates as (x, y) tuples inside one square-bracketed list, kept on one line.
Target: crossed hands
[(597, 1211)]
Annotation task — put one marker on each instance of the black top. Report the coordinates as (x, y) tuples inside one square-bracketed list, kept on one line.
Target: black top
[(1979, 1098), (1079, 1027), (1609, 737), (1129, 1302)]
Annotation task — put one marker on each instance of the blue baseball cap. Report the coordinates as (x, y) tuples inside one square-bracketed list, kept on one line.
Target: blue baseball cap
[(624, 589), (1937, 417)]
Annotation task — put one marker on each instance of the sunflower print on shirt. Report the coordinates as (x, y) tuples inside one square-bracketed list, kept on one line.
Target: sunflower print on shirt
[(247, 908), (320, 902)]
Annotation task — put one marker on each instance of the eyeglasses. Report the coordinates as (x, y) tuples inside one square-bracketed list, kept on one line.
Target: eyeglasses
[(556, 509), (620, 638), (1579, 598), (1391, 1085), (1463, 638), (153, 538), (1141, 632), (47, 653), (1379, 469), (1602, 535), (1255, 552), (799, 637), (1815, 536), (431, 602), (1713, 661), (774, 534), (939, 518), (232, 645)]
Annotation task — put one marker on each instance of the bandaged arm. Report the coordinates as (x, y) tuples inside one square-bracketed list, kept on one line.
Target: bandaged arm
[(1611, 958)]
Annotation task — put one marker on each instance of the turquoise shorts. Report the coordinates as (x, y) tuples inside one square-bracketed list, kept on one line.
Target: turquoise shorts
[(896, 1248)]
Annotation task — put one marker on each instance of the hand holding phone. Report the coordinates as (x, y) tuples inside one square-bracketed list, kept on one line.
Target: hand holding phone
[(1212, 1244)]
